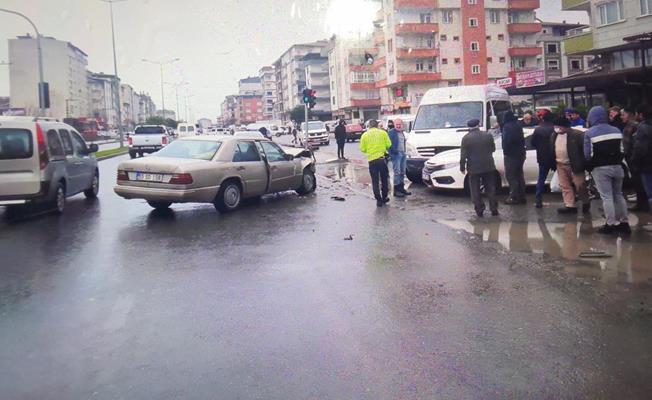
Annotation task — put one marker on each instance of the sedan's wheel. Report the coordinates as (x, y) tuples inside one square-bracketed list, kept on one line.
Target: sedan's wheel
[(414, 178), (308, 182), (229, 197), (159, 205), (92, 191), (60, 199)]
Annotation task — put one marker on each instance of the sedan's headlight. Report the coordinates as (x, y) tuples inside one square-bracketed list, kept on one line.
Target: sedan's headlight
[(411, 151), (430, 167)]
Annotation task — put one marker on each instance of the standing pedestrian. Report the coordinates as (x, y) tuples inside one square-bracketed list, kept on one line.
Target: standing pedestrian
[(340, 138), (567, 145), (514, 150), (576, 119), (614, 118), (603, 150), (477, 159), (528, 120), (375, 143), (628, 115), (399, 158), (545, 157), (642, 150)]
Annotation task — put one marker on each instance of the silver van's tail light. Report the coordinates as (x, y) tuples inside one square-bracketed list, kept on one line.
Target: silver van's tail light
[(42, 148)]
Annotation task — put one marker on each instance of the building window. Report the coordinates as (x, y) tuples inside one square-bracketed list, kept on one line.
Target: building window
[(625, 59), (444, 61), (501, 60), (488, 38), (457, 61), (610, 12), (501, 36), (333, 100), (443, 38), (490, 60), (419, 66), (646, 7), (473, 1), (425, 18), (447, 16), (475, 46), (475, 69), (453, 83), (519, 63), (552, 48), (456, 38), (553, 65), (473, 22), (494, 16), (575, 65), (390, 45)]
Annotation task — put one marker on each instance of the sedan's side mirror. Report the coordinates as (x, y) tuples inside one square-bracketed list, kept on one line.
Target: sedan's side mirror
[(289, 157), (92, 148)]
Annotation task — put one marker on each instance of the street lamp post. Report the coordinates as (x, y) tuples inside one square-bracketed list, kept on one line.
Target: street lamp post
[(161, 64), (176, 92), (116, 80), (41, 82)]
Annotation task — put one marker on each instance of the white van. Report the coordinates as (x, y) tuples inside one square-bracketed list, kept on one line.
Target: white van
[(186, 130), (442, 118), (408, 121)]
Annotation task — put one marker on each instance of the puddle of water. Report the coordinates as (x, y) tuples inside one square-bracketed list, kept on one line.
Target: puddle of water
[(348, 172), (630, 261)]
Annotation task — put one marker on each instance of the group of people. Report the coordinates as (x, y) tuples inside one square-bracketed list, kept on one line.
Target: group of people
[(617, 141), (380, 147)]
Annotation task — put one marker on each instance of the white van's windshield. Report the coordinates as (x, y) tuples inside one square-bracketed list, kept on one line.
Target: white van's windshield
[(450, 115), (314, 126)]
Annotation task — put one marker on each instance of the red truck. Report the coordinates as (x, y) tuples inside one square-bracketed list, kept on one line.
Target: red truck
[(354, 131), (86, 126)]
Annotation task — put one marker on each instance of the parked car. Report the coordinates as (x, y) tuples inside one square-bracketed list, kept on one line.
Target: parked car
[(44, 161), (354, 132), (147, 139), (443, 170), (317, 133), (222, 170), (186, 130)]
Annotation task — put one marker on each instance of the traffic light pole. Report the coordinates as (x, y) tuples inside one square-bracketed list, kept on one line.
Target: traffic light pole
[(305, 134)]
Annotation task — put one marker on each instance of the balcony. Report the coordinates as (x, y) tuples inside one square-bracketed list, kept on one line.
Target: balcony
[(417, 53), (576, 5), (419, 77), (524, 4), (379, 62), (409, 27), (365, 102), (578, 41), (415, 4), (529, 51), (364, 67), (524, 27), (381, 83), (379, 37), (363, 86)]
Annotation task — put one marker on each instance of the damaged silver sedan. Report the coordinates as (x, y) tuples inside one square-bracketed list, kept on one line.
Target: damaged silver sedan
[(222, 170)]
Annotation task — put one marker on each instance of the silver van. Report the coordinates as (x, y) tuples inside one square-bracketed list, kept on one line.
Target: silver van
[(43, 160)]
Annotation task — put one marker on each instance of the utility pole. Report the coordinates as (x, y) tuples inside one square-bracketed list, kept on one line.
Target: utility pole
[(43, 90), (161, 64), (305, 142), (116, 80)]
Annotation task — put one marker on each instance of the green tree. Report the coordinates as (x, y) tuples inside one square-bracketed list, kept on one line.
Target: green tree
[(157, 120), (297, 114)]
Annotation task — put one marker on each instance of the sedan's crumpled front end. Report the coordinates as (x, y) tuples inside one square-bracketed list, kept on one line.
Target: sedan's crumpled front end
[(443, 171)]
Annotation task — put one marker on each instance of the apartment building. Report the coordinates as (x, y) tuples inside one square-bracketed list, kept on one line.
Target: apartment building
[(317, 79), (620, 37), (146, 107), (228, 110), (127, 105), (250, 86), (554, 59), (438, 43), (267, 77), (249, 109), (64, 69), (353, 92), (290, 70), (102, 99)]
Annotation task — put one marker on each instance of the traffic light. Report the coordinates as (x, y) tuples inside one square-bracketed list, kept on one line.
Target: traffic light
[(310, 97), (306, 96)]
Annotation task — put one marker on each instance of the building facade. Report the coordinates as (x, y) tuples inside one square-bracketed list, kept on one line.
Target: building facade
[(64, 67), (267, 77), (554, 59), (102, 98), (290, 71), (317, 79), (250, 86), (249, 109), (425, 44), (228, 111)]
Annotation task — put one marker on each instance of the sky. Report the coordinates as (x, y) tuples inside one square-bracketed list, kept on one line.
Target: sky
[(218, 41)]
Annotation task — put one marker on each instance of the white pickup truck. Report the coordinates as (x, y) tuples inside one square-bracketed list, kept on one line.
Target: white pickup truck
[(147, 139)]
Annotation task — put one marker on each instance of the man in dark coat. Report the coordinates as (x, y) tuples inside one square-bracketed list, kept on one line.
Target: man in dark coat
[(513, 140), (545, 158), (642, 149), (614, 118), (477, 158), (340, 138), (628, 115)]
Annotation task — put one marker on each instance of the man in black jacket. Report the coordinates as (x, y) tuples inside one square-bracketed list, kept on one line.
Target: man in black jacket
[(477, 158), (545, 158), (642, 149), (567, 146), (628, 115), (514, 151), (340, 138)]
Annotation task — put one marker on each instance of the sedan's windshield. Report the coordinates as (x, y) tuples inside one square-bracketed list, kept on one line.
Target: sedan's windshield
[(194, 149), (451, 115)]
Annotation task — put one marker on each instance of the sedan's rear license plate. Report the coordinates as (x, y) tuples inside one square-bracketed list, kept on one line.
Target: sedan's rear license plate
[(146, 176)]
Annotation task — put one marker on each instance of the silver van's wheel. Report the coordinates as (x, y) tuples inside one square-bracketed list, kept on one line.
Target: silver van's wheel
[(229, 197), (60, 199), (92, 191)]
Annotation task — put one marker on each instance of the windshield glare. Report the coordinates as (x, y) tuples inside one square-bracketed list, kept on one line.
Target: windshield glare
[(193, 149), (444, 116)]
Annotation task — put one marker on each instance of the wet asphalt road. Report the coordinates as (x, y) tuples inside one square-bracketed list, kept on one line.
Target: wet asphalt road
[(113, 300)]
